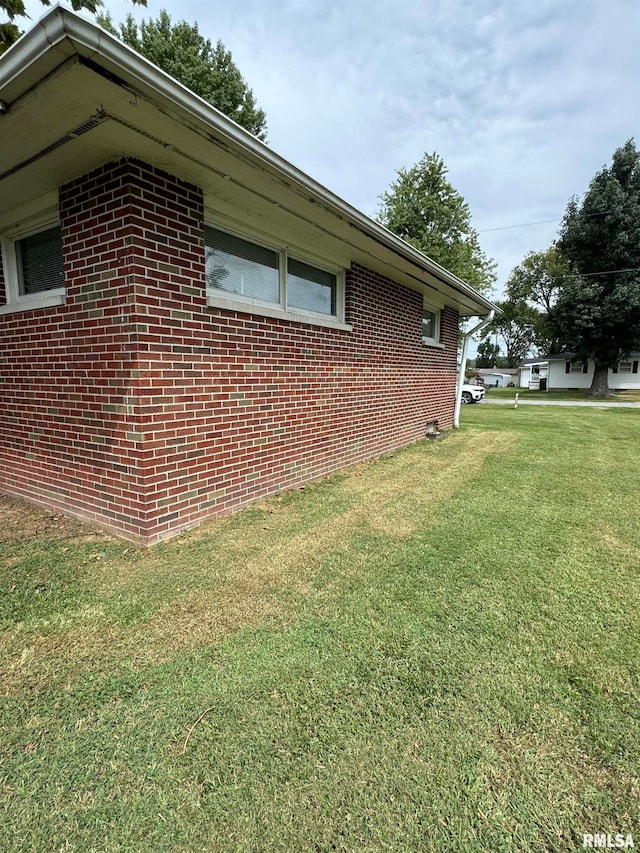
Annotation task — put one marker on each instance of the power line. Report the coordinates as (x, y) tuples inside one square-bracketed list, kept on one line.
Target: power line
[(585, 274), (540, 222), (523, 225)]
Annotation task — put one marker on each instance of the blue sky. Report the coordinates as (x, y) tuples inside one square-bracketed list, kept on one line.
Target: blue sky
[(524, 101)]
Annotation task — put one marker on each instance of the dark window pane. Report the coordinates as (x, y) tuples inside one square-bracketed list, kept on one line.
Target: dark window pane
[(238, 266), (310, 288), (39, 260), (428, 324)]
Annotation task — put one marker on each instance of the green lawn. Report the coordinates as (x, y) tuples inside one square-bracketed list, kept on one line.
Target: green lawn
[(438, 651), (557, 394)]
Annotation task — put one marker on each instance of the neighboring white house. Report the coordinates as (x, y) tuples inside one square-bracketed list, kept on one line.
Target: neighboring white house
[(499, 377), (560, 371), (533, 374)]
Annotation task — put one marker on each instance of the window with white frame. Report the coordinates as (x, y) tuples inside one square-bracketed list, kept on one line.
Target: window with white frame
[(577, 367), (33, 264), (430, 324), (240, 269)]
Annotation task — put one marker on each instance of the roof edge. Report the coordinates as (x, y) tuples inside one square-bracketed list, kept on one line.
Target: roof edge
[(61, 23)]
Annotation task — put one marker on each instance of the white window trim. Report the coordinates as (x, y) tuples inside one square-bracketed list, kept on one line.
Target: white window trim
[(17, 301), (435, 340), (218, 298), (628, 366)]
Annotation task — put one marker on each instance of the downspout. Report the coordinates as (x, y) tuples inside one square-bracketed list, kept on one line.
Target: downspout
[(463, 364)]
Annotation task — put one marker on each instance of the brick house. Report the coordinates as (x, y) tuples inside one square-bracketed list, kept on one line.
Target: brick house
[(187, 322)]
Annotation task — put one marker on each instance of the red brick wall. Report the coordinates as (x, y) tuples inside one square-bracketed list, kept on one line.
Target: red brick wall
[(68, 421), (137, 406)]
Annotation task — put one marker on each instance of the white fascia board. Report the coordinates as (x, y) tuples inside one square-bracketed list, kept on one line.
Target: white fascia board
[(92, 42)]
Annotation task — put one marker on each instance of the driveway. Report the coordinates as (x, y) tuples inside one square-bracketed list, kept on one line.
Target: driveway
[(604, 405)]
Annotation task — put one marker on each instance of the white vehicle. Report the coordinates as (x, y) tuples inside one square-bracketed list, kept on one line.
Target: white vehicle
[(472, 393)]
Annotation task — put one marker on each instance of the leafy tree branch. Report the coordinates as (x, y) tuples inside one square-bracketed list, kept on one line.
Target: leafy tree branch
[(187, 56)]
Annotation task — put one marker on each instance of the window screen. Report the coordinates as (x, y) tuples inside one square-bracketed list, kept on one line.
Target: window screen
[(39, 259), (238, 266), (310, 288)]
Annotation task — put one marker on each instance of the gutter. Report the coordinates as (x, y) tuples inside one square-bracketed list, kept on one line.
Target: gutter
[(463, 364), (60, 24)]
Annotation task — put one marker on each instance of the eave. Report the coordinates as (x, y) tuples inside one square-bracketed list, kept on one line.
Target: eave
[(67, 72)]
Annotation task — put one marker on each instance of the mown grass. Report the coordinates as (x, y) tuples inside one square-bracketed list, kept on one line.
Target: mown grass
[(559, 394), (436, 651)]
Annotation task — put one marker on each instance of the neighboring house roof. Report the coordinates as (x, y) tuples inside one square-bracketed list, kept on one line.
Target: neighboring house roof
[(544, 359), (562, 356), (75, 97), (501, 371)]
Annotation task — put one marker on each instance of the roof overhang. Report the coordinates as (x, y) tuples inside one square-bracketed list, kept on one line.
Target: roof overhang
[(76, 97)]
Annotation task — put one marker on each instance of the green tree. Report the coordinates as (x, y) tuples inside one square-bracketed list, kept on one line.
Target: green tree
[(12, 9), (185, 54), (488, 354), (423, 208), (597, 312), (538, 278), (537, 282), (515, 325)]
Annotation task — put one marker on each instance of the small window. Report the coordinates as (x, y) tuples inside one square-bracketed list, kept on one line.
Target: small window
[(241, 267), (625, 367), (33, 265), (310, 288), (39, 262), (430, 324), (577, 367)]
